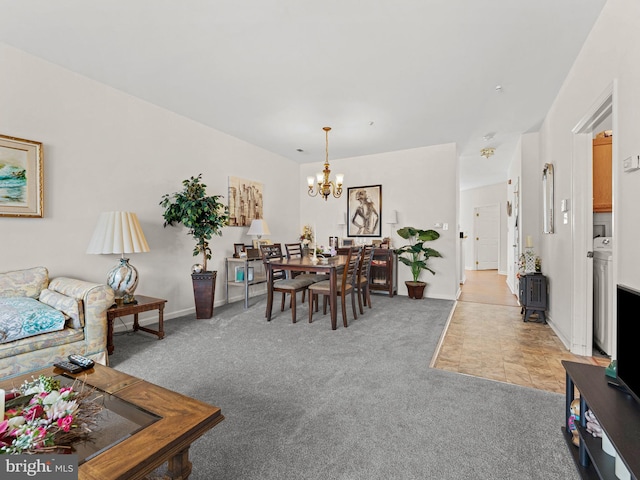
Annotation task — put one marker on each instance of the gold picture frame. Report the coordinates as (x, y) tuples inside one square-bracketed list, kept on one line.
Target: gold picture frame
[(21, 178)]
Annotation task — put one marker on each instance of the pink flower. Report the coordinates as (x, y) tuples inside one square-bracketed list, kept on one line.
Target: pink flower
[(34, 412), (65, 423)]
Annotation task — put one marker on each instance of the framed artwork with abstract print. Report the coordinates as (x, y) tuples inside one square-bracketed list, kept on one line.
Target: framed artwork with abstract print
[(364, 208), (21, 178), (245, 201)]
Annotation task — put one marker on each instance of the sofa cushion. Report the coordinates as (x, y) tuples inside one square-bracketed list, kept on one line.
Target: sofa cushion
[(22, 317), (71, 307), (24, 283)]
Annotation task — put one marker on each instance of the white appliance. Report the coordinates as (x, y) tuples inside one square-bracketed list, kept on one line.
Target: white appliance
[(603, 294)]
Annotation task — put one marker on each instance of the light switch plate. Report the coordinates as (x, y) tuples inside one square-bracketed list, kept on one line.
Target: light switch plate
[(631, 163)]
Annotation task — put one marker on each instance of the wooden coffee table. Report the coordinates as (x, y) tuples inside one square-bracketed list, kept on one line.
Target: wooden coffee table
[(183, 420)]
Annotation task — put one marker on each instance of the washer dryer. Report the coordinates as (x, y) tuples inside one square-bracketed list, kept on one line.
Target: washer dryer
[(603, 294)]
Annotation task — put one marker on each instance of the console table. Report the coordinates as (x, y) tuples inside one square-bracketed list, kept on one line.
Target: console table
[(252, 273), (142, 304), (618, 414)]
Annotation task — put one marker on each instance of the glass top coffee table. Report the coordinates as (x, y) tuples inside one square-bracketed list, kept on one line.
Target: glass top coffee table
[(142, 426)]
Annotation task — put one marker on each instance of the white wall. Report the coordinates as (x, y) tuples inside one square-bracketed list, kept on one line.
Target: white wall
[(610, 54), (420, 183), (478, 197), (105, 150)]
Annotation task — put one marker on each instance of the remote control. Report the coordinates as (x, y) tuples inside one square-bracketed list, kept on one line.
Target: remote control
[(69, 367), (84, 362)]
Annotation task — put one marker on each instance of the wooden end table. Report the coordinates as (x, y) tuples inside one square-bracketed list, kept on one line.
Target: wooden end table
[(143, 304)]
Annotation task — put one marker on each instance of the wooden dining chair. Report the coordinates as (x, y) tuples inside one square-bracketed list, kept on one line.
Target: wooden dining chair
[(294, 250), (364, 277), (345, 285), (279, 281)]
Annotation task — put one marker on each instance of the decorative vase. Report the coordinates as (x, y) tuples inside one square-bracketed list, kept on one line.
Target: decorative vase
[(415, 290), (204, 288), (123, 279), (305, 250)]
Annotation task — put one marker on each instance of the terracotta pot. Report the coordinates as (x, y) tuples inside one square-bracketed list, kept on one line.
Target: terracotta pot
[(415, 289), (204, 288)]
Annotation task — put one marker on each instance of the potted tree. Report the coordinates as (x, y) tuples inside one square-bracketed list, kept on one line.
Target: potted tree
[(415, 255), (204, 216)]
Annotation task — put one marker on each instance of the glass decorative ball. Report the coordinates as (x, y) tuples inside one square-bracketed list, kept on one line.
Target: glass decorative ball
[(197, 268)]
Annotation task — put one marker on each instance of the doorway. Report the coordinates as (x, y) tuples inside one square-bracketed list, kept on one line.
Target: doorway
[(486, 227), (582, 290)]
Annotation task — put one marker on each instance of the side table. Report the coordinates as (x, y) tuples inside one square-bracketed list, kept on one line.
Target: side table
[(142, 304)]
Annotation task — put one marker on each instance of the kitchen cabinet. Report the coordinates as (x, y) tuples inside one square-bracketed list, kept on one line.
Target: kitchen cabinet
[(602, 174)]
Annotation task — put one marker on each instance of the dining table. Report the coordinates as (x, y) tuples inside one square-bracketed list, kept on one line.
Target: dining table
[(321, 265)]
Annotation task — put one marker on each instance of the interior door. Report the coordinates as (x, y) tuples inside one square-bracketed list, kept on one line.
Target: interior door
[(487, 236)]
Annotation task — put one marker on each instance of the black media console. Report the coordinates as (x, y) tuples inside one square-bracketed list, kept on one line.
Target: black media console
[(618, 414)]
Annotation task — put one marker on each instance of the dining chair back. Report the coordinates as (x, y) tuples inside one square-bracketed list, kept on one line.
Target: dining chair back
[(277, 281), (364, 277), (346, 282)]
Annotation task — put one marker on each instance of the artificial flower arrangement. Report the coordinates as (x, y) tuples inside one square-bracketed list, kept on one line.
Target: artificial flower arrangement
[(307, 235), (42, 416)]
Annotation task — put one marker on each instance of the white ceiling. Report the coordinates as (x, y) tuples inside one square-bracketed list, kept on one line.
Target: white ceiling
[(385, 75)]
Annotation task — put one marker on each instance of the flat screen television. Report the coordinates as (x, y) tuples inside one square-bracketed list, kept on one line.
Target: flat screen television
[(627, 352)]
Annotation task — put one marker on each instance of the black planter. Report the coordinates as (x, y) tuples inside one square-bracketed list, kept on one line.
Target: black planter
[(204, 289)]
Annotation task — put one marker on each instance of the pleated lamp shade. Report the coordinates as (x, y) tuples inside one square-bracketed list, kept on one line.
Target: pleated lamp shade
[(119, 233)]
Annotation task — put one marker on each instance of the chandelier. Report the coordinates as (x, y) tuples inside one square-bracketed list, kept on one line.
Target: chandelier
[(324, 186)]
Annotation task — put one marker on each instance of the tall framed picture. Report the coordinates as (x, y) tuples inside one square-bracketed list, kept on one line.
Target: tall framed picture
[(364, 208), (245, 201), (21, 178)]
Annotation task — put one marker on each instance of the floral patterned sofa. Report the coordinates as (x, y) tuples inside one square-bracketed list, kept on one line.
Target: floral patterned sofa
[(43, 321)]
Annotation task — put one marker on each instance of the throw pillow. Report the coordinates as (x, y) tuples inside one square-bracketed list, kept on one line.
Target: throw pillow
[(71, 307), (22, 317), (24, 283)]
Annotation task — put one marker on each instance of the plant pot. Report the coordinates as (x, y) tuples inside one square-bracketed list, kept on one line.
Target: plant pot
[(415, 289), (204, 289)]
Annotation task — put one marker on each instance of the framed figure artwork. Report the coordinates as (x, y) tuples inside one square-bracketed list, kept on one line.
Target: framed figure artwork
[(364, 208), (21, 178)]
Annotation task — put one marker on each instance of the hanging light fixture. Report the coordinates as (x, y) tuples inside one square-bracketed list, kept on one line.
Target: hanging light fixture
[(324, 186), (487, 152)]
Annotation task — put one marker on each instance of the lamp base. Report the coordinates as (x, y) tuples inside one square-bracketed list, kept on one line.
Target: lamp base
[(123, 279)]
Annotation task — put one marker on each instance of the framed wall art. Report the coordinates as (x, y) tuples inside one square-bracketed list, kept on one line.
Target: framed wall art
[(21, 178), (364, 207), (245, 201)]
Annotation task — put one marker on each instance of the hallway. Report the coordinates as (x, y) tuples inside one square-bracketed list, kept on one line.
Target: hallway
[(487, 338)]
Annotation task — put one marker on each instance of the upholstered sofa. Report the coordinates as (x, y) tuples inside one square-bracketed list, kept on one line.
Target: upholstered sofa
[(32, 334)]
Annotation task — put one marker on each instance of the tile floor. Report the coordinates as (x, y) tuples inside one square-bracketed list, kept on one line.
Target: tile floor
[(487, 338)]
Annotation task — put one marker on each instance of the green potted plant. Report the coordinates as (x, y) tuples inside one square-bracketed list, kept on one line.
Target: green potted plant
[(204, 216), (415, 255)]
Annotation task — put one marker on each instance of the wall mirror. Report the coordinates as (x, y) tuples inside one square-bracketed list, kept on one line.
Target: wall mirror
[(547, 198)]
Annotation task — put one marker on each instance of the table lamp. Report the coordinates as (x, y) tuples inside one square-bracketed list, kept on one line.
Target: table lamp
[(259, 228), (119, 232)]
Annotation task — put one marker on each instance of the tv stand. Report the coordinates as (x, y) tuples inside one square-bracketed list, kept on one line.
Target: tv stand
[(618, 414)]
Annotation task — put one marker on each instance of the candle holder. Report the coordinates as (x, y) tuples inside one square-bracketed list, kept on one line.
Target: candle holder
[(529, 260)]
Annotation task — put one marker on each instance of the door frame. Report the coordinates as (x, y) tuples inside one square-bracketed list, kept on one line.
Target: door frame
[(581, 342)]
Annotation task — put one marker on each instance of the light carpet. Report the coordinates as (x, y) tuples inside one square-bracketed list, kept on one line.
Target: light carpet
[(304, 402)]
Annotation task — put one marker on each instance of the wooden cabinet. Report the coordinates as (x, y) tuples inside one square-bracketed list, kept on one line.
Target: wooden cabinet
[(384, 271), (602, 174), (618, 415)]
